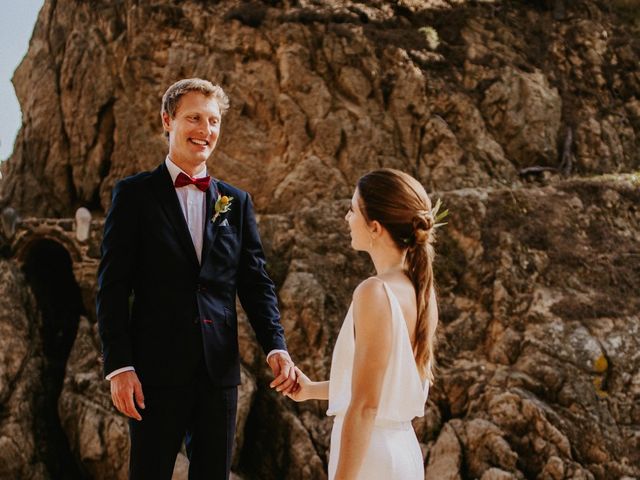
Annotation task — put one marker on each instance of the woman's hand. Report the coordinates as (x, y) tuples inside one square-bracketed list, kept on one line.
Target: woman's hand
[(302, 390)]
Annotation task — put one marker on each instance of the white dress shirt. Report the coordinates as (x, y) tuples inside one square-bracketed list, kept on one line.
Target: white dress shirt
[(192, 203)]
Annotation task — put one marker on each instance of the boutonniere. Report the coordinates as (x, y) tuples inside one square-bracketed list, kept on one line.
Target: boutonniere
[(222, 205)]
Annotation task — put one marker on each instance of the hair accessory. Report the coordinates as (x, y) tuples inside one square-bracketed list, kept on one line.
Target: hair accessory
[(424, 221), (438, 215)]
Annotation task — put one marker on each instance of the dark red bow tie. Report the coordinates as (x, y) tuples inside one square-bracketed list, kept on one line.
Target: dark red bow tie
[(201, 183)]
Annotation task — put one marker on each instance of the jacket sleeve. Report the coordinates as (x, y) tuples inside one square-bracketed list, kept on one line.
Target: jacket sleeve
[(256, 290), (115, 279)]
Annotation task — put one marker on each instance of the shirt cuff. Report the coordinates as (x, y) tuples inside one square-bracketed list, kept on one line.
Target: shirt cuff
[(120, 370), (272, 352)]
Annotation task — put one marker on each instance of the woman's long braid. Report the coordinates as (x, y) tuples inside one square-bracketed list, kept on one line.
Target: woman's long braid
[(420, 269)]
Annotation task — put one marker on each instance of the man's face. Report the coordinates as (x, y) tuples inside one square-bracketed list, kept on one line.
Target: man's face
[(193, 132)]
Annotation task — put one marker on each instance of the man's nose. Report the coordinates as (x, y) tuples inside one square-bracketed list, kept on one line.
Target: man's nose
[(202, 128)]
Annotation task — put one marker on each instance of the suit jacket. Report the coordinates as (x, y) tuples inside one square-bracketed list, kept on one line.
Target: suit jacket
[(161, 311)]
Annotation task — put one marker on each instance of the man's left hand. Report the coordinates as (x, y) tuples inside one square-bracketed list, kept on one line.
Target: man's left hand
[(283, 371)]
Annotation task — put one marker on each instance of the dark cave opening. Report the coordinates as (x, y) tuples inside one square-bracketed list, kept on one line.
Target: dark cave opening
[(48, 270)]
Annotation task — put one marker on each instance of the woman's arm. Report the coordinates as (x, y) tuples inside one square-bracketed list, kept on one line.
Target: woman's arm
[(373, 332), (319, 391)]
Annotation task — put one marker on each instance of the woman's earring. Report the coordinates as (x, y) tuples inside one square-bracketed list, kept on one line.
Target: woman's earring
[(370, 242)]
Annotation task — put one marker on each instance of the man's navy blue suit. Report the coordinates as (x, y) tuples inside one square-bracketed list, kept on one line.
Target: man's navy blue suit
[(174, 319)]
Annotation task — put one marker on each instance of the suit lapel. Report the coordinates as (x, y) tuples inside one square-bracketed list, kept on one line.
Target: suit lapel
[(210, 228), (170, 204)]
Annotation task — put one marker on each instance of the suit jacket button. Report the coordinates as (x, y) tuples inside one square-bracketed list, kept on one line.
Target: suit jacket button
[(196, 321)]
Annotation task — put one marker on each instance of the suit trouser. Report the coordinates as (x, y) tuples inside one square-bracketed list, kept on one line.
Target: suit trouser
[(201, 413)]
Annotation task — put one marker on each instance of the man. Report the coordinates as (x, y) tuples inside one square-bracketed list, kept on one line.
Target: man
[(177, 248)]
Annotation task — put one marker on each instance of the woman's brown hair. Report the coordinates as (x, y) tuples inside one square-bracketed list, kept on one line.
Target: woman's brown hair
[(400, 203)]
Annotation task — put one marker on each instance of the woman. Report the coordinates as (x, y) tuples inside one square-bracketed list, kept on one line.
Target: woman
[(383, 359)]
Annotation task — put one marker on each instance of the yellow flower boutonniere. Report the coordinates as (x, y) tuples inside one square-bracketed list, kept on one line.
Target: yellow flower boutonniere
[(222, 205)]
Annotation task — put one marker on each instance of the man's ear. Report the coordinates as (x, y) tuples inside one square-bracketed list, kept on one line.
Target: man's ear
[(166, 121)]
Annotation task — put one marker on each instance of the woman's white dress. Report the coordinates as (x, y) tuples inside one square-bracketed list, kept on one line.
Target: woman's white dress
[(394, 452)]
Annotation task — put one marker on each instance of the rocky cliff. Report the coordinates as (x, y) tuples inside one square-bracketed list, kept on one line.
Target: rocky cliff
[(523, 116)]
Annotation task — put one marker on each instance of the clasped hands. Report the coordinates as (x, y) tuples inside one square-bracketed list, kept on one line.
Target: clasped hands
[(284, 372), (290, 381)]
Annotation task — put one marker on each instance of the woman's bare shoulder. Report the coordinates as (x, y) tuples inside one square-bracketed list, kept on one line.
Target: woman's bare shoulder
[(371, 288), (371, 301)]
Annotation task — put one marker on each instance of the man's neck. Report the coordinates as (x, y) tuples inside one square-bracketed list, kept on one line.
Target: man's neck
[(187, 168)]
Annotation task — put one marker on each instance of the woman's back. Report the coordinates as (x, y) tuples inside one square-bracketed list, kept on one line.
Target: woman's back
[(405, 294), (404, 392)]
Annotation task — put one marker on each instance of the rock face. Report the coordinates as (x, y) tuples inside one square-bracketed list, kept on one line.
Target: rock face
[(19, 377), (321, 92), (537, 271), (542, 368)]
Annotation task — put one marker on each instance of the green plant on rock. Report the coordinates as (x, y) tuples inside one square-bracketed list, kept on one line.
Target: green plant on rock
[(431, 37)]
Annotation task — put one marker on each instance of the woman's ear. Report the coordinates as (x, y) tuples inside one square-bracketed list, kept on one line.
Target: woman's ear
[(376, 228)]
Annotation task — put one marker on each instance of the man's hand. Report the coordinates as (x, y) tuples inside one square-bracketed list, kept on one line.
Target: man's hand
[(283, 371), (124, 387)]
